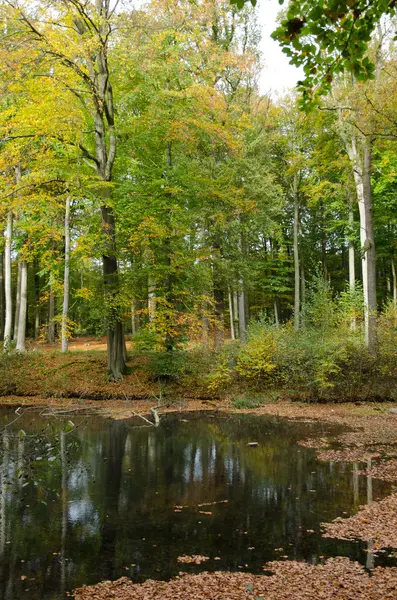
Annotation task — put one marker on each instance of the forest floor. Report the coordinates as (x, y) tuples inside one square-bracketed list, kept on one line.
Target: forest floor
[(76, 382)]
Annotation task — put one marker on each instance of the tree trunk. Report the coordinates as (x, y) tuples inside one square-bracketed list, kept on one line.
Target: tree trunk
[(17, 302), (36, 300), (7, 284), (115, 330), (242, 312), (23, 305), (219, 328), (2, 297), (393, 270), (362, 179), (151, 298), (296, 260), (235, 313), (205, 329), (66, 283), (368, 250), (276, 311), (352, 262), (133, 317), (231, 316), (323, 243), (51, 315)]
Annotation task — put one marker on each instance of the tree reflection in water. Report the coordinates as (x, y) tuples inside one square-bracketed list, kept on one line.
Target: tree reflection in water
[(101, 500)]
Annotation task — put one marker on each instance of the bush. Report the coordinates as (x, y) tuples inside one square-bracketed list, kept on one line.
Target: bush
[(325, 359), (167, 365), (254, 400)]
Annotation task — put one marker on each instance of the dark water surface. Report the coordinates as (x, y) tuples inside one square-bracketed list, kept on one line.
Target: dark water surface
[(100, 501)]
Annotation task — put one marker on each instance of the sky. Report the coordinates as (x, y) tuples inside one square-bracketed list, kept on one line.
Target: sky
[(278, 75)]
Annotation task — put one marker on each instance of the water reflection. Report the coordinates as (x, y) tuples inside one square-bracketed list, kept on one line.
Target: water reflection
[(104, 500)]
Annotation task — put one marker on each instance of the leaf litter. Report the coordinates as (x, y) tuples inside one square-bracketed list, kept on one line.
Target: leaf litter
[(336, 578)]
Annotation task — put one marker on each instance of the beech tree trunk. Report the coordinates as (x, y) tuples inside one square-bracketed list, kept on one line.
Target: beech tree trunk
[(7, 283), (23, 305), (393, 270), (241, 309), (276, 310), (219, 328), (17, 302), (36, 300), (2, 297), (235, 313), (151, 298), (115, 329), (231, 315), (368, 249), (296, 259), (65, 307), (133, 317), (352, 262), (361, 163), (51, 315)]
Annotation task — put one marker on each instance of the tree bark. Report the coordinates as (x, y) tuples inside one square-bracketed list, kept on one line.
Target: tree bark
[(2, 297), (276, 310), (393, 270), (231, 315), (8, 283), (115, 329), (23, 305), (151, 298), (235, 313), (241, 309), (369, 254), (296, 259), (133, 317), (51, 315), (362, 178), (66, 283), (36, 300), (352, 262), (219, 328), (17, 302)]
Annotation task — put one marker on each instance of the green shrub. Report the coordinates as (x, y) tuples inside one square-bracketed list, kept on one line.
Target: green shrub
[(146, 340), (327, 358), (167, 365), (254, 400)]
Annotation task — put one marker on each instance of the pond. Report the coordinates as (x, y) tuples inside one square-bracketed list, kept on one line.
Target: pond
[(92, 498)]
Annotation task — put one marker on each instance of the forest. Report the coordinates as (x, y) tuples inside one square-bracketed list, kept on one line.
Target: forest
[(198, 301), (153, 194)]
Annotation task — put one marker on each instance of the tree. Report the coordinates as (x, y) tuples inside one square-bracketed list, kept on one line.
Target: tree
[(328, 38), (73, 52)]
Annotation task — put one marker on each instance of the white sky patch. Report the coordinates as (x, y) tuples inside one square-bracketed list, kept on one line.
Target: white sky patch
[(278, 75)]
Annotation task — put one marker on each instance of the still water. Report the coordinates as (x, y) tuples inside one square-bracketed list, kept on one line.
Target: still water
[(98, 499)]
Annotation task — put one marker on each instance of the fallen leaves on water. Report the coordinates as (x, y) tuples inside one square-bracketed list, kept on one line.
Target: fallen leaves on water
[(336, 578), (314, 443), (347, 455), (385, 469), (195, 559), (373, 523)]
